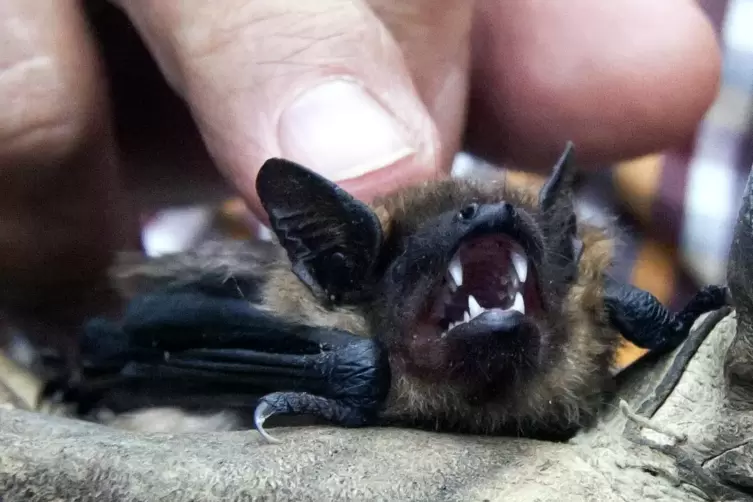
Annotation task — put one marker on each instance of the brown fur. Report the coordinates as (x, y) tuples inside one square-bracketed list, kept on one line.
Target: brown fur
[(285, 294), (133, 274), (567, 393)]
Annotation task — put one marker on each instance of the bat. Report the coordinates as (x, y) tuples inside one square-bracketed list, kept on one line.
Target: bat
[(455, 305)]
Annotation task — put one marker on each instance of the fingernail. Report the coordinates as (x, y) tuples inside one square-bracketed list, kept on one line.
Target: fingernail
[(340, 131)]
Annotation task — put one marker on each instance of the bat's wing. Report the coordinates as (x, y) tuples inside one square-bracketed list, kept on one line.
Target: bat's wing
[(202, 336), (198, 344)]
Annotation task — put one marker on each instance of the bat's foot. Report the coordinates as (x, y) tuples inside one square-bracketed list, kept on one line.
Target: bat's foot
[(644, 321), (708, 299), (300, 403)]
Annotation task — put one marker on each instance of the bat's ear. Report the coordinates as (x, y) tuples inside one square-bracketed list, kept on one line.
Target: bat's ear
[(559, 186), (556, 201), (332, 239)]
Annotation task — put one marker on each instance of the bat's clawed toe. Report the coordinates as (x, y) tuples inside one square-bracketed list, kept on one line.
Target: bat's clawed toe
[(263, 411), (707, 299), (301, 403)]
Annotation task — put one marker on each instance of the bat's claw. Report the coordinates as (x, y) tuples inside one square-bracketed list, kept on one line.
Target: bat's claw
[(301, 403), (263, 411)]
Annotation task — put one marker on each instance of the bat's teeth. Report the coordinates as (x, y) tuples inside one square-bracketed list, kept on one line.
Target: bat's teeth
[(456, 271), (519, 304), (466, 316), (520, 263), (473, 307)]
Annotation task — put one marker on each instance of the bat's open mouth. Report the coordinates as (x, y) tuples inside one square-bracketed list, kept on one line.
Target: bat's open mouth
[(489, 283)]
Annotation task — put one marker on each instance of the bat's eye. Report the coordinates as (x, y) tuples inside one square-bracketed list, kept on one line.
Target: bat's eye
[(468, 212)]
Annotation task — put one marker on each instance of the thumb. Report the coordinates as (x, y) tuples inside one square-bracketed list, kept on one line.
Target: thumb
[(320, 83)]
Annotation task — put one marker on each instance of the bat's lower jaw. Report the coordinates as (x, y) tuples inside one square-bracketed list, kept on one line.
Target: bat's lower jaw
[(494, 351), (492, 324)]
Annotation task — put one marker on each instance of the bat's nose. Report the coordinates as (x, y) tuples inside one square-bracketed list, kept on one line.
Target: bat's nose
[(486, 216), (477, 220)]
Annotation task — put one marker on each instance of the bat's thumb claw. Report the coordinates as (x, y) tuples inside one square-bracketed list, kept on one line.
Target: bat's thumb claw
[(263, 411), (302, 403)]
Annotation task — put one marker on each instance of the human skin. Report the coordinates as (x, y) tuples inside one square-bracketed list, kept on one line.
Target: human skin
[(414, 82)]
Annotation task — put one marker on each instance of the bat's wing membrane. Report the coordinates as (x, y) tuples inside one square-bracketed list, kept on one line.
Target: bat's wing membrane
[(186, 347)]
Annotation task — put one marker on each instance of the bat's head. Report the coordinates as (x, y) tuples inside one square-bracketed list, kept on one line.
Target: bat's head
[(464, 282)]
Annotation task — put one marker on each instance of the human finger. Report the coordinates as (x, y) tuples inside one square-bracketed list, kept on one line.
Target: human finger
[(58, 214), (323, 84), (620, 78)]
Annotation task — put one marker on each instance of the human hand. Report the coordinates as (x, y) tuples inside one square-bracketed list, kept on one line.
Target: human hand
[(342, 86)]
